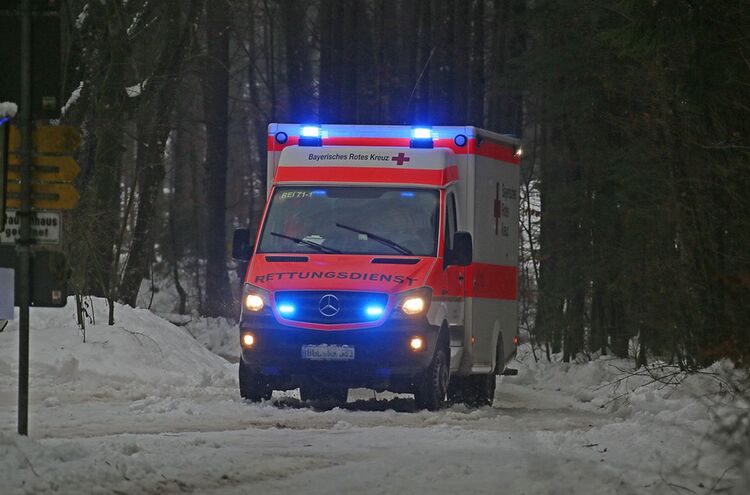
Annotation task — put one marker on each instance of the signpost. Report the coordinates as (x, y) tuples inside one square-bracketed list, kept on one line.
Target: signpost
[(23, 247), (44, 196), (39, 168), (52, 168), (45, 227), (4, 143)]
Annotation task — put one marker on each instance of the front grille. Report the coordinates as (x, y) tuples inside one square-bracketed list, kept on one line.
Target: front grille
[(352, 306)]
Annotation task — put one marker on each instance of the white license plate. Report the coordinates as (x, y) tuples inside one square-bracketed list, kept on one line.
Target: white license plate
[(325, 352)]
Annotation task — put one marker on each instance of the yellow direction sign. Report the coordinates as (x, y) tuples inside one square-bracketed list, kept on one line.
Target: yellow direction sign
[(45, 196), (45, 168), (48, 139)]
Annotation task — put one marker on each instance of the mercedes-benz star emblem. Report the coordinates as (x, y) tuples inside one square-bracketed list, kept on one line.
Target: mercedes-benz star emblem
[(329, 305)]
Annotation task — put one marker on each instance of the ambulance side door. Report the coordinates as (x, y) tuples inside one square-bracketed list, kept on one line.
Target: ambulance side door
[(453, 291)]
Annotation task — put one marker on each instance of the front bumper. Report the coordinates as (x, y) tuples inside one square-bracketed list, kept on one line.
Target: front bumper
[(382, 354)]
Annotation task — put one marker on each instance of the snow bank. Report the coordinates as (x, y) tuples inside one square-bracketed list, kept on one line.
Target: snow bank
[(218, 335), (140, 351), (713, 404), (613, 384)]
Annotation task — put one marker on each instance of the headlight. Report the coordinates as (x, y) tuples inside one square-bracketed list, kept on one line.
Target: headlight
[(414, 302), (254, 298), (413, 305)]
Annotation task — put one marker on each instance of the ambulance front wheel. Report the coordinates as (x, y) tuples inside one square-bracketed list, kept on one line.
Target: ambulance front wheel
[(432, 387), (253, 386)]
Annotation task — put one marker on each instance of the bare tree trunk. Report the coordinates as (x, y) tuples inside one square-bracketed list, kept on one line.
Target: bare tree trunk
[(101, 182), (154, 127), (216, 114), (298, 69), (476, 66), (461, 62)]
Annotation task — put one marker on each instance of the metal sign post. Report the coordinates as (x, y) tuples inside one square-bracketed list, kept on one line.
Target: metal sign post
[(23, 246)]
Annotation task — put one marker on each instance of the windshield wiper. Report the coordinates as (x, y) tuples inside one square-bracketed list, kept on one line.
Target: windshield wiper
[(318, 247), (398, 247)]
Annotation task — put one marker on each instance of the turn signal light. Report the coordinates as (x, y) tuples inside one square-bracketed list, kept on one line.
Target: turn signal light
[(416, 343)]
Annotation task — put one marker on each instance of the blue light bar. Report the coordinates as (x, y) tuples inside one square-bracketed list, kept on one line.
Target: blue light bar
[(310, 131), (318, 192), (407, 194), (374, 310), (421, 133), (286, 309)]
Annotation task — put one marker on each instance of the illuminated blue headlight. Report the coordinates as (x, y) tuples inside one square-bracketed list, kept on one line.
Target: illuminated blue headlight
[(421, 133), (310, 131), (374, 311), (286, 309)]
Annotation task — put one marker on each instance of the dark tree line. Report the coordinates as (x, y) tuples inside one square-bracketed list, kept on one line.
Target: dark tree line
[(634, 117)]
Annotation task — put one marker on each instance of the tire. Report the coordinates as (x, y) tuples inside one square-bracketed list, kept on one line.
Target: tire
[(315, 392), (253, 386), (474, 390), (432, 387), (479, 390)]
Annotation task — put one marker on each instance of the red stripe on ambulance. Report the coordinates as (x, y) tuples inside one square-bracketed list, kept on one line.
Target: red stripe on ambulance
[(439, 177)]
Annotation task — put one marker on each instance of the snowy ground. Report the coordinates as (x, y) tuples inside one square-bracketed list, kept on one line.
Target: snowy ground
[(144, 408)]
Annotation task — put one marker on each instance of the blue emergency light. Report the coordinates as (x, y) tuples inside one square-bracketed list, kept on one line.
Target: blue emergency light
[(310, 135), (421, 137), (421, 133), (374, 311), (286, 309), (310, 131)]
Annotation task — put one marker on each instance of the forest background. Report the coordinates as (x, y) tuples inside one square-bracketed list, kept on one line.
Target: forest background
[(634, 116)]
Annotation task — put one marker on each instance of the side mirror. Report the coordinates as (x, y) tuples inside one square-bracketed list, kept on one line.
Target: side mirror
[(242, 249), (463, 249)]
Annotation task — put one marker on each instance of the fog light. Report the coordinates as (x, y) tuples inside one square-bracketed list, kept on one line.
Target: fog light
[(416, 343), (248, 340)]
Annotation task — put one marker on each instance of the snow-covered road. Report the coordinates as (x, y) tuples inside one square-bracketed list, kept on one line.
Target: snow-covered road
[(170, 429)]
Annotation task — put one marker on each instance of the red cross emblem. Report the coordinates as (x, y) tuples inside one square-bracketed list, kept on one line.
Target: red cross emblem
[(400, 159)]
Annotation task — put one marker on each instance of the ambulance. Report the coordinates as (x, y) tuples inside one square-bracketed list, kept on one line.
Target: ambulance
[(386, 259)]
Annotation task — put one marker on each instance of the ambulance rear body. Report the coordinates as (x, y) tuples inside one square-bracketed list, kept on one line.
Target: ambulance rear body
[(387, 259)]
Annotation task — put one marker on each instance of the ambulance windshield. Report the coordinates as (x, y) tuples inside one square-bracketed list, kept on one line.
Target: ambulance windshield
[(353, 220)]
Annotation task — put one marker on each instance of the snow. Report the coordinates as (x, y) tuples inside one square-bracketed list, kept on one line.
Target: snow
[(8, 109), (82, 17), (143, 407), (136, 89), (74, 96)]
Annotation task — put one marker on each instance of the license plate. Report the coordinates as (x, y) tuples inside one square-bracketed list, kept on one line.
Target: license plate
[(325, 352)]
